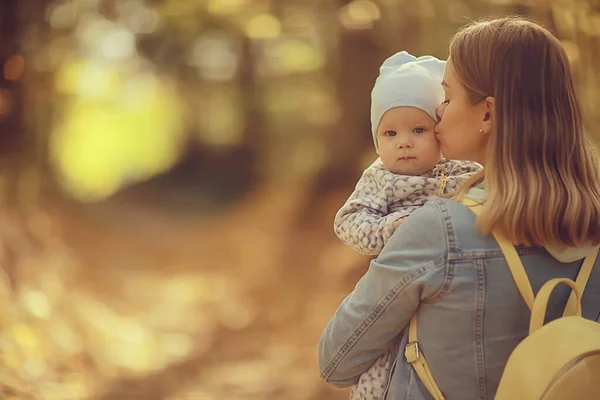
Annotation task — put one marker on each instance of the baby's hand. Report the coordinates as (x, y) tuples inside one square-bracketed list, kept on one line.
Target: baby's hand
[(397, 222)]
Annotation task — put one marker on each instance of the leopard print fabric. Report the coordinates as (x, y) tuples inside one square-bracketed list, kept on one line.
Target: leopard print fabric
[(366, 221), (373, 383)]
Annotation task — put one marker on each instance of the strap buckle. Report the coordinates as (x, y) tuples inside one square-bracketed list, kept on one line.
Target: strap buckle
[(412, 353)]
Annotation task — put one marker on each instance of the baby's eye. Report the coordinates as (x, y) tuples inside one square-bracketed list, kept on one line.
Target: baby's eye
[(390, 133), (418, 130), (445, 102)]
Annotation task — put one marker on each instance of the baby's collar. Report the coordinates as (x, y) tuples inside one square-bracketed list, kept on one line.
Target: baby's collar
[(440, 168)]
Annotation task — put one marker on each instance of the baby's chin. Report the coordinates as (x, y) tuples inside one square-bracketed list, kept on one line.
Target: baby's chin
[(413, 168)]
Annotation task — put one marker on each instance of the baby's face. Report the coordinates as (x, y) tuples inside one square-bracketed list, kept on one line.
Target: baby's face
[(406, 141)]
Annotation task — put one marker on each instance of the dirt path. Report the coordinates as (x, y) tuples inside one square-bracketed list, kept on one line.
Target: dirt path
[(168, 305)]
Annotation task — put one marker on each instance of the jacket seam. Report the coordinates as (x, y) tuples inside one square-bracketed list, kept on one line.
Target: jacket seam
[(373, 316), (487, 254), (479, 338), (455, 253), (444, 285), (448, 227), (448, 271)]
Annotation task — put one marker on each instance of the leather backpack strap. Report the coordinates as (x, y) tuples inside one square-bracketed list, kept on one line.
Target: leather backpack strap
[(413, 355), (582, 278)]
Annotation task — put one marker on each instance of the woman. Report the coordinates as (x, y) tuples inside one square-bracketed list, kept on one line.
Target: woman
[(511, 106)]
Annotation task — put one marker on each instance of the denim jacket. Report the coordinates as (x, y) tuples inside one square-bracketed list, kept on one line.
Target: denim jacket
[(470, 312)]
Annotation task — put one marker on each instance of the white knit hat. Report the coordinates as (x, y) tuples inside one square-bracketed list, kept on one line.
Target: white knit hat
[(405, 80)]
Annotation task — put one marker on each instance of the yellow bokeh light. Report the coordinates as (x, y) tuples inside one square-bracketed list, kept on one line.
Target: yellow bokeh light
[(26, 337), (87, 79), (299, 56), (63, 16), (364, 10), (128, 134), (37, 304), (359, 14), (263, 26), (226, 7)]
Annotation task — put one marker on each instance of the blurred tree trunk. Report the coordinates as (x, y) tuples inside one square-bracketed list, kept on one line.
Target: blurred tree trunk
[(14, 144), (11, 110), (575, 23), (37, 94), (19, 187), (223, 175), (401, 26), (239, 167), (354, 72)]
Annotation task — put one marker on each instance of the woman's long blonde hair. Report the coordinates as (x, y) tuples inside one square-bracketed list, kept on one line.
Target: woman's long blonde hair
[(541, 174)]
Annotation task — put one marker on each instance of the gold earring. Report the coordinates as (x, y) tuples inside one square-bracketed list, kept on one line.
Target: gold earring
[(481, 131)]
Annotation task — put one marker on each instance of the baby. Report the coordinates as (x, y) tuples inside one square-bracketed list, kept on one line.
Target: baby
[(409, 171)]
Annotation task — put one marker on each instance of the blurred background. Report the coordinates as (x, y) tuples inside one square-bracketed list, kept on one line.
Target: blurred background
[(169, 173)]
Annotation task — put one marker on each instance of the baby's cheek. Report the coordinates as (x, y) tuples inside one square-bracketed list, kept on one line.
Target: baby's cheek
[(434, 143), (387, 162)]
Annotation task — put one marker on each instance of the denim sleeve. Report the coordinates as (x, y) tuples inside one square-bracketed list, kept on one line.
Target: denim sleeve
[(411, 268)]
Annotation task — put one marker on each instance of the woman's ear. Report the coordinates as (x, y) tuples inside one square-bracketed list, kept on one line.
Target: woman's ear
[(488, 114)]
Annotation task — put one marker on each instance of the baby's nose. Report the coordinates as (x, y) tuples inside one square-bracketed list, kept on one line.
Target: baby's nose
[(404, 144)]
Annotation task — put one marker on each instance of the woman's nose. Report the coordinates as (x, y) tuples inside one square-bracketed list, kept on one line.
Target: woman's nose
[(439, 112)]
